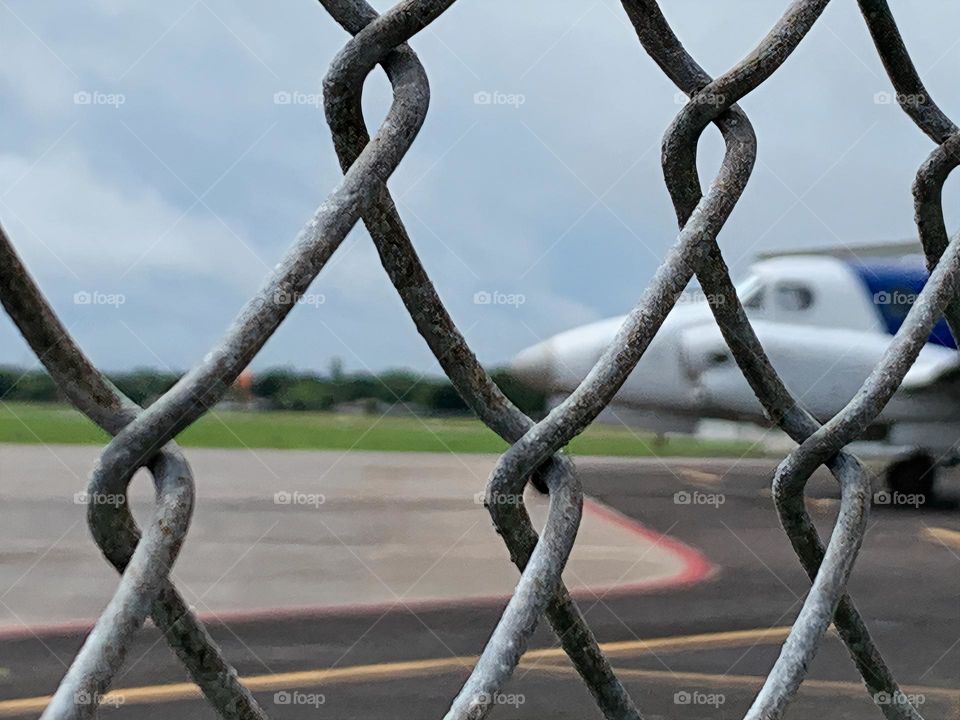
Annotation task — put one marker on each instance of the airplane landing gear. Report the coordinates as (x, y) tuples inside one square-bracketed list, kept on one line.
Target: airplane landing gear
[(915, 474)]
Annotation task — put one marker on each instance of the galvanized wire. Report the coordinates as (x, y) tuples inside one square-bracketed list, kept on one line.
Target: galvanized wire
[(144, 438)]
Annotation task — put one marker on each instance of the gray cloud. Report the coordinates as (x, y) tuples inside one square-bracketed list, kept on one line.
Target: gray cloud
[(182, 197)]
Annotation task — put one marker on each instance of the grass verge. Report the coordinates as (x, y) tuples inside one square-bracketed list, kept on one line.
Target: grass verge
[(60, 424)]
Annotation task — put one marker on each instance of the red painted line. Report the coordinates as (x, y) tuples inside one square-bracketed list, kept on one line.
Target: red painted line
[(696, 568)]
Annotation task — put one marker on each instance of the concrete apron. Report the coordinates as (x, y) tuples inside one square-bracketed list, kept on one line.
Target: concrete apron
[(287, 532)]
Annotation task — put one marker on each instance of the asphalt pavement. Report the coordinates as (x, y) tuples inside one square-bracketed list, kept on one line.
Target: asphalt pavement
[(696, 648)]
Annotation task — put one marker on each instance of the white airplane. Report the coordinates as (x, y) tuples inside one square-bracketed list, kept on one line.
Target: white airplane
[(824, 321)]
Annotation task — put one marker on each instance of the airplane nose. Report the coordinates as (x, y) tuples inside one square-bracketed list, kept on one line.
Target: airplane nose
[(535, 367)]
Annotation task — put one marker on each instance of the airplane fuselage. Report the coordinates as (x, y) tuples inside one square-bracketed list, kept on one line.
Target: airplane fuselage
[(824, 323)]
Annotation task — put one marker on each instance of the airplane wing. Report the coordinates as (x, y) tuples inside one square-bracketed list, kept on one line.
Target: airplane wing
[(941, 373)]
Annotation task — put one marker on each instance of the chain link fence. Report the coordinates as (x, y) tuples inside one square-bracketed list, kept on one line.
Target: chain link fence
[(143, 438)]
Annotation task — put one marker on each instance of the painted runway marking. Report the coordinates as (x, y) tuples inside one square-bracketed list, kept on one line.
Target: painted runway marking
[(543, 660), (414, 668), (700, 478), (950, 538), (822, 686), (394, 670)]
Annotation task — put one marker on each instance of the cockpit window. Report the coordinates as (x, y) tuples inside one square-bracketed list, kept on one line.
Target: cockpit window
[(794, 297)]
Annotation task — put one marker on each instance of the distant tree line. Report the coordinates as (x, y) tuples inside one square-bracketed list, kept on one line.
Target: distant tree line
[(288, 389)]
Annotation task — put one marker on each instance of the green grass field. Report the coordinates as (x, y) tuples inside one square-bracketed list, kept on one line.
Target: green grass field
[(58, 424)]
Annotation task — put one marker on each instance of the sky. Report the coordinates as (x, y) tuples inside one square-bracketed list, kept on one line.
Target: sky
[(157, 159)]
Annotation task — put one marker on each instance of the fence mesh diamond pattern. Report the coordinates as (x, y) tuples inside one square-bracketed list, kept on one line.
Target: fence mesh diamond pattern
[(144, 437)]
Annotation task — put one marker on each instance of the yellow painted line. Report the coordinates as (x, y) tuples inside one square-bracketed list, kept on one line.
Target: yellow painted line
[(396, 670), (256, 683), (733, 638), (699, 477), (824, 686), (950, 538), (822, 504)]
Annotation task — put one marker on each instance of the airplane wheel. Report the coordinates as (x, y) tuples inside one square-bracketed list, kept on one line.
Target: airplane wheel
[(914, 475)]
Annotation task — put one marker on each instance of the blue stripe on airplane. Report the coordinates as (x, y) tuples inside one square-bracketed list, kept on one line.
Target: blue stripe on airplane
[(893, 287)]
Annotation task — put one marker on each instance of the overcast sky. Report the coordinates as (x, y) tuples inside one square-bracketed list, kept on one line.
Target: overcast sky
[(146, 159)]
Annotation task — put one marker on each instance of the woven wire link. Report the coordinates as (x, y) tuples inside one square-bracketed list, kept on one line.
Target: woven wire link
[(144, 437)]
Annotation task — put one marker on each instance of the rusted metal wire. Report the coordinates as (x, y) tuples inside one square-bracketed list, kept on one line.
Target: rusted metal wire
[(144, 438)]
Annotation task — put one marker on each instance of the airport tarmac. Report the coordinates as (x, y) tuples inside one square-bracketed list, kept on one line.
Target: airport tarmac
[(285, 530), (683, 573)]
